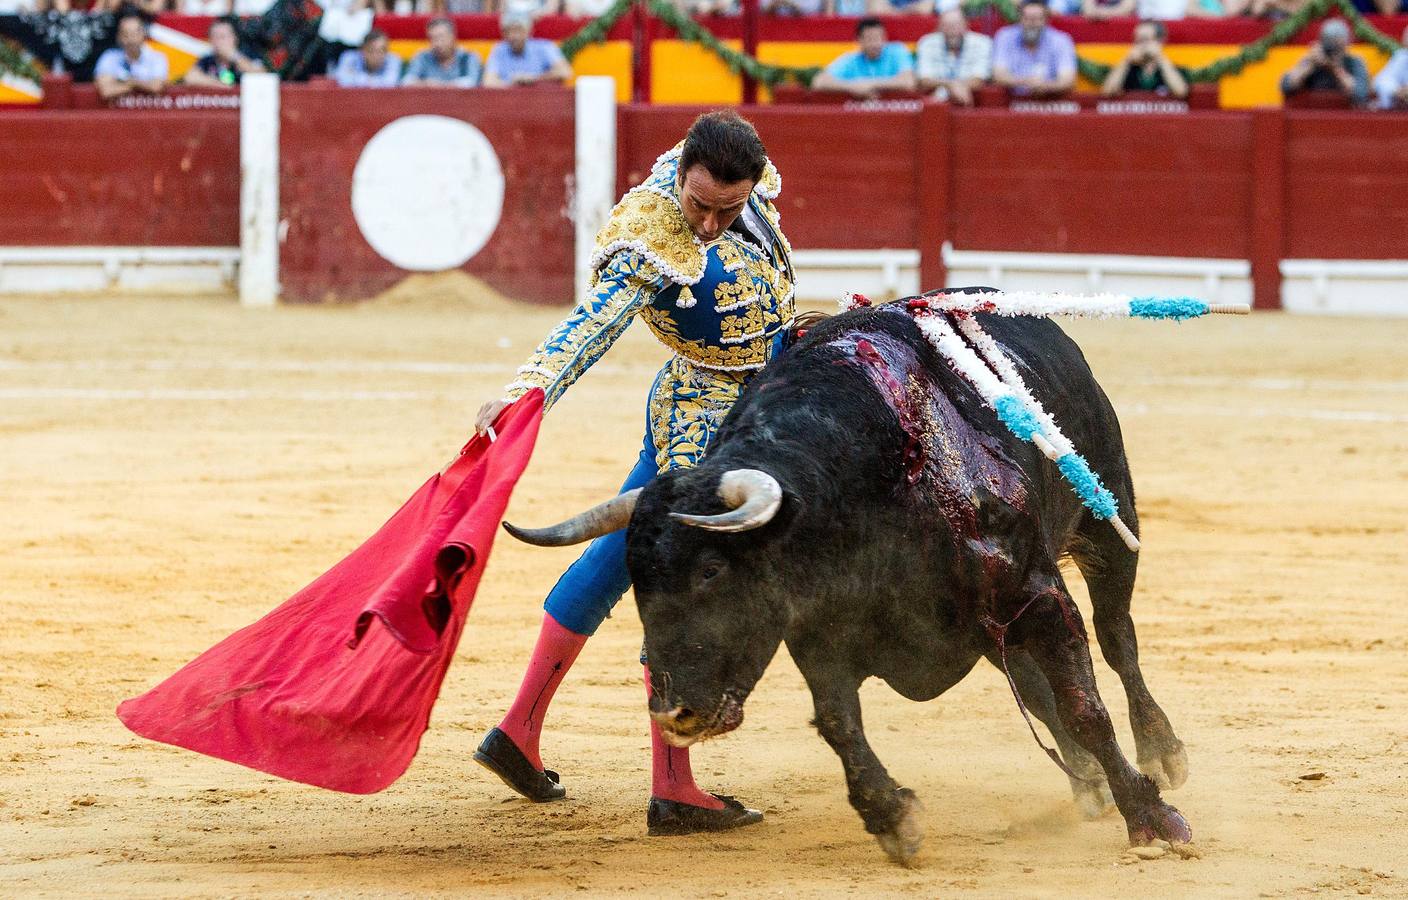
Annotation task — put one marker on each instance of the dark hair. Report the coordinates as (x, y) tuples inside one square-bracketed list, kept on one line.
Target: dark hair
[(1160, 32), (224, 20), (868, 22), (726, 145), (1041, 3), (438, 21), (376, 34), (127, 11)]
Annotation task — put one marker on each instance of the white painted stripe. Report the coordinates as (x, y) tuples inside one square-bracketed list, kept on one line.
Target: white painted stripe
[(1274, 384), (22, 86), (209, 394), (178, 40), (1364, 416), (350, 366)]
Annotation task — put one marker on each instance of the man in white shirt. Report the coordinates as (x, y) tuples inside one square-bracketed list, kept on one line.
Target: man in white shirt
[(131, 67), (953, 62)]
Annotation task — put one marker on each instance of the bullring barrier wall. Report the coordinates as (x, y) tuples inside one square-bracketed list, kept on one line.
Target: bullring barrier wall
[(1297, 208)]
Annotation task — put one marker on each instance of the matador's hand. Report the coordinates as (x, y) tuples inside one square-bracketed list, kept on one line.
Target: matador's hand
[(488, 413)]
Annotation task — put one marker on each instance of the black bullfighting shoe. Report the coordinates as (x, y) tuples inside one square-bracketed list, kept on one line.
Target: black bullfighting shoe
[(500, 755), (670, 817)]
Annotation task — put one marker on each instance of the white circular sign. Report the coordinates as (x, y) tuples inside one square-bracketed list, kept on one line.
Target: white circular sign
[(427, 192)]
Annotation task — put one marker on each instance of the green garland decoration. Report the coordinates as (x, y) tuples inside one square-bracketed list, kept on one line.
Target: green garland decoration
[(594, 32), (737, 61), (14, 61), (771, 75), (1283, 32)]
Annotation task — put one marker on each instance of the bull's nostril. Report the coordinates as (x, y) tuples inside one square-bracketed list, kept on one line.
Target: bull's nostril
[(684, 716)]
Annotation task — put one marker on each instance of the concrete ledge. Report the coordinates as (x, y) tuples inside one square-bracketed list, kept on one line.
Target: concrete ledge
[(1345, 286), (44, 270)]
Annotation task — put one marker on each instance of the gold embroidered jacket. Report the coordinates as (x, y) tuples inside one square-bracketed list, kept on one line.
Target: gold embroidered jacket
[(721, 307)]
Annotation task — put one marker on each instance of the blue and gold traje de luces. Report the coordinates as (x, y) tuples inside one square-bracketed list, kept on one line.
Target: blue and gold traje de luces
[(721, 307)]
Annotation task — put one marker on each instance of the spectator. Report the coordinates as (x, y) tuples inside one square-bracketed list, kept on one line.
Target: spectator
[(1329, 66), (347, 23), (1032, 58), (794, 7), (1391, 85), (444, 62), (370, 66), (876, 66), (530, 8), (224, 64), (1098, 10), (1145, 67), (131, 67), (902, 7), (585, 9), (521, 58), (953, 62)]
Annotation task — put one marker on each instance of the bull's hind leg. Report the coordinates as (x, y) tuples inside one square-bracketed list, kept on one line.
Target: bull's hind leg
[(1050, 629), (892, 813), (1108, 567), (1091, 791)]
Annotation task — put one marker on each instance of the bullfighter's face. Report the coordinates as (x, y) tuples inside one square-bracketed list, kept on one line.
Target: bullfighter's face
[(703, 598), (710, 206)]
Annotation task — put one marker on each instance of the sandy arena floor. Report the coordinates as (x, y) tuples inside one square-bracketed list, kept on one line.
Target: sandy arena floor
[(173, 468)]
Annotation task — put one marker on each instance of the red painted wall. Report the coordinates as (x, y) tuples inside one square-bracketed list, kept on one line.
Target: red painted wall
[(839, 168), (119, 178), (1263, 186), (1346, 194), (1143, 185)]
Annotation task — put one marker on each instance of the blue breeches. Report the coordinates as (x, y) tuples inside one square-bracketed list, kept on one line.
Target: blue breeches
[(584, 595)]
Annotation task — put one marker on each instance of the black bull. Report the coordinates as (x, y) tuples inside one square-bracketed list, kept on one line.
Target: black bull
[(882, 522)]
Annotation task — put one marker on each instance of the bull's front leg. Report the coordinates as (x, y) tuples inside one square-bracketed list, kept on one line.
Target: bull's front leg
[(1051, 630), (892, 813)]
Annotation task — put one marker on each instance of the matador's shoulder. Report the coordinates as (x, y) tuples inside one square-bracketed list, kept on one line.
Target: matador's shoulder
[(648, 221)]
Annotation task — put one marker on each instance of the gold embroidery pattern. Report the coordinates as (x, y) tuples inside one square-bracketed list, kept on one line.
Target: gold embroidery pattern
[(687, 406), (623, 288), (654, 227)]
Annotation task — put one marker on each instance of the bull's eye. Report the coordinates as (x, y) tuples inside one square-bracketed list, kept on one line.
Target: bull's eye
[(709, 572)]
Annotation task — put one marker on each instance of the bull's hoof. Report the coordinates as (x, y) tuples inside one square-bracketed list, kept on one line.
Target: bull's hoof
[(902, 841), (1093, 800), (1161, 821), (1170, 770)]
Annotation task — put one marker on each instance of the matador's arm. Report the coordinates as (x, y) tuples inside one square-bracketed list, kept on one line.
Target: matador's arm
[(625, 284)]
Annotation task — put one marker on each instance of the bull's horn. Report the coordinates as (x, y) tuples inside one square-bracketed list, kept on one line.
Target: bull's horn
[(753, 497), (604, 518)]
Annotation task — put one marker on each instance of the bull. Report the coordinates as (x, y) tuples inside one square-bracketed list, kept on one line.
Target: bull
[(862, 504)]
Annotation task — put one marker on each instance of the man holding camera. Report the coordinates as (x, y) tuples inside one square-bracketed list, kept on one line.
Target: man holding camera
[(1145, 67), (1329, 66)]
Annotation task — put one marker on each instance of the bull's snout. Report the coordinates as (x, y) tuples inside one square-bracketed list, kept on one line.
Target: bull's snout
[(681, 725)]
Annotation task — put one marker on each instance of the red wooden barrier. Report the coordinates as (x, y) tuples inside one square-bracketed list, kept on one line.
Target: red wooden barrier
[(117, 178), (1261, 186)]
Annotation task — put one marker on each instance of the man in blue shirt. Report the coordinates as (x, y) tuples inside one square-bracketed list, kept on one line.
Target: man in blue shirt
[(131, 67), (372, 65), (875, 67), (1031, 58), (521, 59), (443, 63)]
